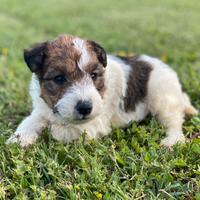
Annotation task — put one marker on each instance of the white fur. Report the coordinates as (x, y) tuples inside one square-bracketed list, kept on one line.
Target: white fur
[(85, 56), (29, 129), (164, 100)]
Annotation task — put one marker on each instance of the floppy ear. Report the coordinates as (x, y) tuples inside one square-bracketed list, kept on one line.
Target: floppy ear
[(34, 56), (100, 52)]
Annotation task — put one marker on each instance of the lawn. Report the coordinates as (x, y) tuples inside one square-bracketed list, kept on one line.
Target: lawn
[(128, 164)]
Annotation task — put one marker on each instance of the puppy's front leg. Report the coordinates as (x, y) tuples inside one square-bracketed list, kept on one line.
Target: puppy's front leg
[(29, 130)]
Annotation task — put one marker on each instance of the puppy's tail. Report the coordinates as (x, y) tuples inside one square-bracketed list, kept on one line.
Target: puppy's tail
[(189, 108)]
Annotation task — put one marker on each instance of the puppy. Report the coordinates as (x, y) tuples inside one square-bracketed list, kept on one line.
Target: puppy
[(77, 88)]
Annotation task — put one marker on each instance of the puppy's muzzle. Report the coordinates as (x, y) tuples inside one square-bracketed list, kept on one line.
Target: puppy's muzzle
[(82, 112)]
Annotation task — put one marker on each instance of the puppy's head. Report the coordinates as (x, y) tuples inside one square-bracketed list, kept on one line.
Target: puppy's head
[(70, 71)]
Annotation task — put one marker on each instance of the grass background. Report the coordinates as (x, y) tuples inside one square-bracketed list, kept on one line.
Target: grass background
[(129, 164)]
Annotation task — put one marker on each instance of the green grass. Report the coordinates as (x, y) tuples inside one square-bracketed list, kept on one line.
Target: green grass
[(129, 164)]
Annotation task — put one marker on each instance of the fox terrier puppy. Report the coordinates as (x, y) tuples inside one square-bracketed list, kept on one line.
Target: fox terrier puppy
[(77, 88)]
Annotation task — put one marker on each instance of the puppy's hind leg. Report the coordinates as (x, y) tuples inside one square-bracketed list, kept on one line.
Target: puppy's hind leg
[(169, 108), (167, 101), (172, 116), (173, 122)]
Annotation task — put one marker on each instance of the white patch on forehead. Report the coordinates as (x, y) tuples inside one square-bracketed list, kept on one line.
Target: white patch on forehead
[(85, 56)]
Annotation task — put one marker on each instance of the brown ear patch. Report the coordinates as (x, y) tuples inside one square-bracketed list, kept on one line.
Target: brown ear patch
[(34, 56), (100, 52)]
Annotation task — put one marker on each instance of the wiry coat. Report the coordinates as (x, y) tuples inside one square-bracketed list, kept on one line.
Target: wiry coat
[(124, 90)]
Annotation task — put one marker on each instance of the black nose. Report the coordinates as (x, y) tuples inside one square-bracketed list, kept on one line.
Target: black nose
[(84, 107)]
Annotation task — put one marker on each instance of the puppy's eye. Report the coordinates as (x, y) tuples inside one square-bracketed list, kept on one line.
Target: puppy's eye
[(93, 76), (59, 80)]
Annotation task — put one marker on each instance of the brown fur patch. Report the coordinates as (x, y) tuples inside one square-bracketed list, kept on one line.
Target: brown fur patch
[(97, 51), (99, 70), (61, 60), (60, 57), (137, 82)]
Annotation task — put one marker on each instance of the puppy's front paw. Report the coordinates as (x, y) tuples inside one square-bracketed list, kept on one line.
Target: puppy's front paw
[(23, 138), (13, 139), (171, 140)]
